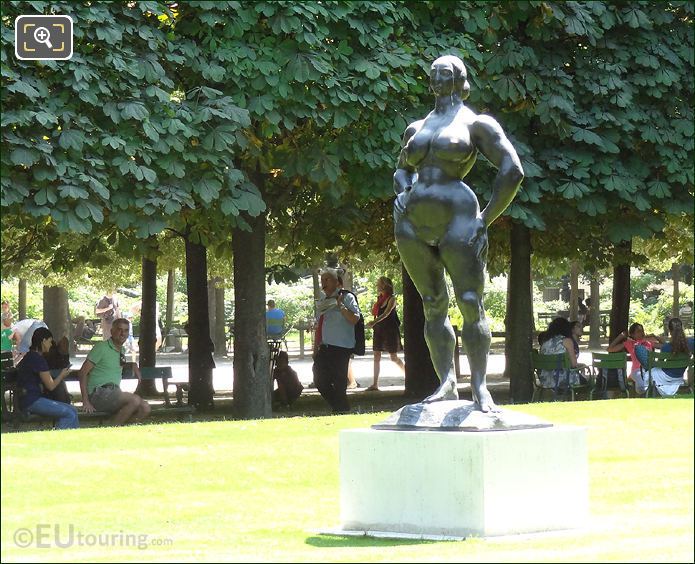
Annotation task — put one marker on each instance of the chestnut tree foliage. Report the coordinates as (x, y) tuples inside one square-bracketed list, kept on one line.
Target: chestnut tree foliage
[(200, 116), (165, 108)]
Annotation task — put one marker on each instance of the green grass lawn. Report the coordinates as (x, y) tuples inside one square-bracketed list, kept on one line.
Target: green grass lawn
[(260, 491)]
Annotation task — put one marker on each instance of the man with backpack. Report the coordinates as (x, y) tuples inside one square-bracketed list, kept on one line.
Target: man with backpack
[(335, 341)]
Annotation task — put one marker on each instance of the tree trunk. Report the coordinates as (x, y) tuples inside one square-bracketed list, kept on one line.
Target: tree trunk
[(574, 290), (212, 312), (148, 321), (676, 275), (518, 341), (220, 334), (252, 380), (55, 311), (200, 361), (420, 378), (347, 278), (171, 277), (620, 306), (22, 299), (595, 319)]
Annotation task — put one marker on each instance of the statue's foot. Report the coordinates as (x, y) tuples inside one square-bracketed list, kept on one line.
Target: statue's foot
[(447, 391), (483, 400)]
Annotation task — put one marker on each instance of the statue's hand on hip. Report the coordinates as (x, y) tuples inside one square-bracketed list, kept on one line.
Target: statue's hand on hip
[(399, 204), (478, 231)]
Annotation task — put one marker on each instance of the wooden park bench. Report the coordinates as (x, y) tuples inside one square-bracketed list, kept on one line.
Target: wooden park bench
[(13, 415), (544, 320)]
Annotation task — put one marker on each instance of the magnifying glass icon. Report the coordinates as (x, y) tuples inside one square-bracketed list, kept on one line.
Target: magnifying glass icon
[(42, 35)]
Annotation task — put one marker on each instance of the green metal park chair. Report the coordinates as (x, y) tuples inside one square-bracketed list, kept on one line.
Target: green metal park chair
[(601, 363), (558, 364), (668, 361)]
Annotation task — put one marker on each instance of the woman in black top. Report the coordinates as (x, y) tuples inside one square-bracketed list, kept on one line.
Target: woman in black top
[(33, 374), (387, 332)]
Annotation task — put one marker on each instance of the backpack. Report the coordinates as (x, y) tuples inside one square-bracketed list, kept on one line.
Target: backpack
[(359, 349)]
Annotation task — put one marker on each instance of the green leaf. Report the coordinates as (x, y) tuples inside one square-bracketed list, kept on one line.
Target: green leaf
[(228, 206), (218, 139), (71, 222), (72, 191), (586, 136), (151, 227), (208, 189), (41, 198), (44, 117), (98, 188), (21, 156), (71, 139), (299, 68), (659, 189), (640, 202), (173, 167), (149, 174), (150, 131), (614, 183), (125, 219), (113, 141), (592, 205), (25, 88), (110, 35), (572, 190), (135, 110)]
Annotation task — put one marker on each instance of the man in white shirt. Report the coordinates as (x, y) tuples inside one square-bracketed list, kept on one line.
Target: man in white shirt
[(334, 342)]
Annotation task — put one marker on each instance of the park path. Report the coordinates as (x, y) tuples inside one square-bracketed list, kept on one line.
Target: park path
[(391, 377)]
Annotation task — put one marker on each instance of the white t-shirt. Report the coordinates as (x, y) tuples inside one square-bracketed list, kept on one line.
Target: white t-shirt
[(25, 329)]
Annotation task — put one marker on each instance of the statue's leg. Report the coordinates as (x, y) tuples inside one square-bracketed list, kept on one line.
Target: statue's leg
[(464, 255), (427, 272)]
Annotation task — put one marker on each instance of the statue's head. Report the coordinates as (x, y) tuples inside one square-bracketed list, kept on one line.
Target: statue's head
[(461, 86)]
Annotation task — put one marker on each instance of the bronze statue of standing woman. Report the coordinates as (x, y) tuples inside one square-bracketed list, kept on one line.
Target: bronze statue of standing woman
[(439, 226)]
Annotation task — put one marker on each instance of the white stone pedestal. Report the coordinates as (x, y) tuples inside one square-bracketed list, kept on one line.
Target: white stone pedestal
[(463, 483)]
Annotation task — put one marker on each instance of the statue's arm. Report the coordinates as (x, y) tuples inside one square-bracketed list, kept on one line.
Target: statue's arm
[(491, 141), (405, 174)]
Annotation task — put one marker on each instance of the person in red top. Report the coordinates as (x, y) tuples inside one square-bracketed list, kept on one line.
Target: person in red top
[(387, 335), (627, 341)]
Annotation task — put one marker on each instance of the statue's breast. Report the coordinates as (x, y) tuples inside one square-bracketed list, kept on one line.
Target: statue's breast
[(443, 141), (453, 143), (417, 146)]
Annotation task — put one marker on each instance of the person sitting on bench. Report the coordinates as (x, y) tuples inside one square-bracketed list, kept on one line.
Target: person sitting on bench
[(100, 377), (33, 374)]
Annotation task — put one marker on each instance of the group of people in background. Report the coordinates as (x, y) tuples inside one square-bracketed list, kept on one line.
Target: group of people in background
[(43, 364), (335, 341), (563, 336), (334, 345), (38, 378), (638, 344)]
